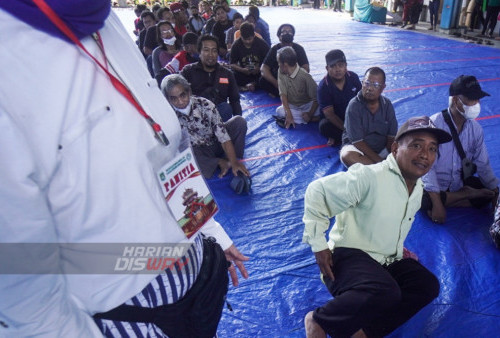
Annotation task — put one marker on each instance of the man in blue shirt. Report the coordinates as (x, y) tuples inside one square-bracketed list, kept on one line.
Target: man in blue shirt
[(335, 91), (444, 184)]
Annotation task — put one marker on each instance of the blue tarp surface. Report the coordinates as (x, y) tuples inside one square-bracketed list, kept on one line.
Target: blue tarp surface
[(266, 225)]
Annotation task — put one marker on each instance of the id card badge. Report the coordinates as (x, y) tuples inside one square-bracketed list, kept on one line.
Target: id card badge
[(186, 193)]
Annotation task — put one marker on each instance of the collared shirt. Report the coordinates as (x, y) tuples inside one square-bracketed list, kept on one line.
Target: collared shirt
[(361, 125), (300, 88), (373, 210), (329, 95), (446, 173), (203, 123)]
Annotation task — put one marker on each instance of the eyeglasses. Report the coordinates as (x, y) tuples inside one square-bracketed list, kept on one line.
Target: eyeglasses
[(167, 31), (375, 85)]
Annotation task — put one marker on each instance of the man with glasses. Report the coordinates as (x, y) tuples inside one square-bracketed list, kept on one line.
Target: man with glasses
[(375, 287), (370, 123), (447, 184), (335, 91)]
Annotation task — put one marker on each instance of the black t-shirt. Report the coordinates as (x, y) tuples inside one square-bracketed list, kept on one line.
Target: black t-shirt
[(272, 62), (219, 31), (249, 57)]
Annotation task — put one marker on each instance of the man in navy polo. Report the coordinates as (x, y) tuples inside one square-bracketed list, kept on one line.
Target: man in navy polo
[(335, 91)]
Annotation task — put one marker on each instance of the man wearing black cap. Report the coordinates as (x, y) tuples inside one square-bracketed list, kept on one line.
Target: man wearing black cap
[(335, 91), (449, 183), (375, 288)]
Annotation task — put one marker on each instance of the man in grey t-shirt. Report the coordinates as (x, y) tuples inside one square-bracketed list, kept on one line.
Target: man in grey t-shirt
[(370, 123)]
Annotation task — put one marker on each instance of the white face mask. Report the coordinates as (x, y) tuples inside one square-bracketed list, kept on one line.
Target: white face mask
[(169, 42), (186, 110), (470, 112)]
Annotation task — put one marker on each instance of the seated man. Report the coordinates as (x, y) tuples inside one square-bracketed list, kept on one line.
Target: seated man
[(269, 70), (297, 89), (375, 288), (215, 144), (444, 184), (220, 27), (335, 91), (247, 55), (370, 123), (212, 81), (261, 26), (188, 55)]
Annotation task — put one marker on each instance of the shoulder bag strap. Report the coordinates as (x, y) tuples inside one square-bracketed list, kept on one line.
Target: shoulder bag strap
[(454, 134)]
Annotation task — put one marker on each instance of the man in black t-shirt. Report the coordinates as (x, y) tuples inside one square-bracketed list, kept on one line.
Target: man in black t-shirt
[(221, 26), (247, 55), (269, 68)]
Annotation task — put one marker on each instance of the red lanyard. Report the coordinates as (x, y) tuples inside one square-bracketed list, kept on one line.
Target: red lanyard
[(56, 20)]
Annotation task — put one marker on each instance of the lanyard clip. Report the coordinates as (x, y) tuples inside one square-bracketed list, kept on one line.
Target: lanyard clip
[(159, 134)]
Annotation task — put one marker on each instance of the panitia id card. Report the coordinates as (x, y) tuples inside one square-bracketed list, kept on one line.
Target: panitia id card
[(186, 193)]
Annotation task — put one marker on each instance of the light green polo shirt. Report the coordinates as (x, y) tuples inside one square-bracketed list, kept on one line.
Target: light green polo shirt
[(300, 88), (373, 210)]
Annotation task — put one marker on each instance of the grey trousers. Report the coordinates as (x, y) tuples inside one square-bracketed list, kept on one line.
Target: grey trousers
[(208, 157)]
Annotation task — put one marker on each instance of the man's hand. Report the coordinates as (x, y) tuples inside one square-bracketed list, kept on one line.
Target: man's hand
[(235, 257), (306, 117), (289, 121), (238, 166), (325, 263), (224, 166), (438, 213)]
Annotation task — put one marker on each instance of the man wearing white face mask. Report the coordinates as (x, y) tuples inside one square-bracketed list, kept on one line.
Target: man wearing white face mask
[(215, 143), (449, 183)]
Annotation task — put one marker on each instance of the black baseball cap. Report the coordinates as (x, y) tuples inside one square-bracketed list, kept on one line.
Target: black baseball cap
[(467, 86), (423, 123), (334, 56)]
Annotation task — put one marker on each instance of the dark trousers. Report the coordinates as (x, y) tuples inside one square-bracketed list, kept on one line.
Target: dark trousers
[(433, 11), (208, 156), (328, 130), (371, 296), (268, 87), (491, 18)]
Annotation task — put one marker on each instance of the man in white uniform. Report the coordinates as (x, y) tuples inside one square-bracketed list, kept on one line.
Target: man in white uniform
[(78, 165)]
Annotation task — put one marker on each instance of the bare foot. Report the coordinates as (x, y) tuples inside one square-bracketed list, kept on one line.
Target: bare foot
[(313, 330), (250, 87), (224, 166), (359, 334), (331, 142)]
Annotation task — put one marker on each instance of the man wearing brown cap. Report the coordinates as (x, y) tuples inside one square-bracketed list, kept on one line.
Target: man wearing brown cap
[(375, 288), (452, 181)]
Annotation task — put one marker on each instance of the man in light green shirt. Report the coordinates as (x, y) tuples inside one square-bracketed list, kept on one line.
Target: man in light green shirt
[(375, 289)]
